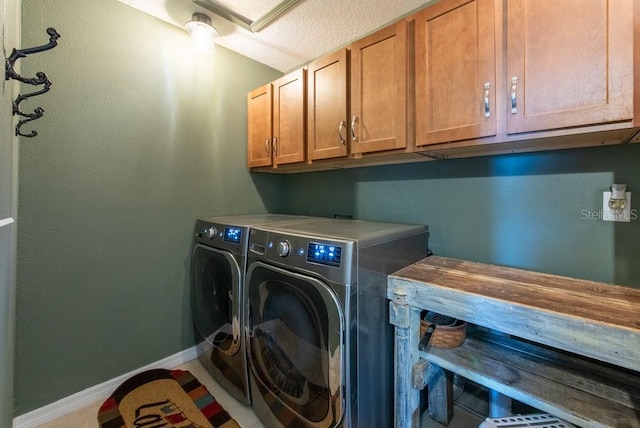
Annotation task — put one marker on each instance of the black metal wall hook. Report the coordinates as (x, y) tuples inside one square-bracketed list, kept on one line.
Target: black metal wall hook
[(40, 79)]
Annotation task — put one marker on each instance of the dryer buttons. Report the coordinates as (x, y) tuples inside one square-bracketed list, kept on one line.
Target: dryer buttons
[(210, 232), (283, 248)]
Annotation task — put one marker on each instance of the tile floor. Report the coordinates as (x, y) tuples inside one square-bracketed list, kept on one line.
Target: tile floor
[(246, 418)]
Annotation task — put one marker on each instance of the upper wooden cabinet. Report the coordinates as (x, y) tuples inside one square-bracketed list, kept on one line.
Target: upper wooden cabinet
[(259, 126), (357, 98), (455, 71), (569, 63), (276, 122), (328, 115), (379, 91), (289, 118)]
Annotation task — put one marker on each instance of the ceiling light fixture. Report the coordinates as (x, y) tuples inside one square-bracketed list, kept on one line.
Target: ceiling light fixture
[(202, 32)]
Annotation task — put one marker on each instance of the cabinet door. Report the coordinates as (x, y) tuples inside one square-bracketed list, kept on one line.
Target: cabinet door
[(327, 107), (455, 71), (289, 118), (379, 91), (570, 63), (259, 104)]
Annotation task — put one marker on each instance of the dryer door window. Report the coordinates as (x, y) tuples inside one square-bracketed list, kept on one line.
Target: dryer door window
[(216, 277), (295, 333)]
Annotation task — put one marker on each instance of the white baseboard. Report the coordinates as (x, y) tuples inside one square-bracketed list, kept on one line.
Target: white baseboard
[(98, 392), (6, 221)]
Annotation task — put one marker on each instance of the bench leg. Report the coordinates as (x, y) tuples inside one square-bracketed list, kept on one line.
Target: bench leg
[(406, 320), (440, 394), (499, 404), (439, 384)]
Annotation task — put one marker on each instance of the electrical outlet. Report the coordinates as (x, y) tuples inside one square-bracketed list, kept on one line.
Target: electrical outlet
[(620, 214)]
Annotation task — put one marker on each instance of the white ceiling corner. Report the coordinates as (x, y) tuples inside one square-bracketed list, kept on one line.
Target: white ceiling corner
[(252, 10), (260, 15), (305, 31)]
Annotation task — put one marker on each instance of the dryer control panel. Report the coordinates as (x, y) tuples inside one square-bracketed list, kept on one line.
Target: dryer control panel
[(324, 254), (328, 257)]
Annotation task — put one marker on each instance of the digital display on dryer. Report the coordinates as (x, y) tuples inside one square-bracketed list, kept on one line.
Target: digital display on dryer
[(325, 254), (233, 234)]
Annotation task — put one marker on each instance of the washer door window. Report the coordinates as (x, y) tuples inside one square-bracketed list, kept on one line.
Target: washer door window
[(216, 277), (295, 334)]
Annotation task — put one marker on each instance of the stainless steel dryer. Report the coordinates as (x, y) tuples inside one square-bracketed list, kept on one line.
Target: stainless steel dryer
[(219, 262), (319, 343)]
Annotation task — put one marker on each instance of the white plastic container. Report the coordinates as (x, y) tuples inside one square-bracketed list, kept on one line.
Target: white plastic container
[(538, 420)]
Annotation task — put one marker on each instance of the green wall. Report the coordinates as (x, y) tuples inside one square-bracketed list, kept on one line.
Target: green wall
[(140, 137), (537, 211)]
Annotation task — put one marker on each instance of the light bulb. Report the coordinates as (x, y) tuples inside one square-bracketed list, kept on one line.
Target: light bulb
[(202, 33), (618, 199), (202, 38)]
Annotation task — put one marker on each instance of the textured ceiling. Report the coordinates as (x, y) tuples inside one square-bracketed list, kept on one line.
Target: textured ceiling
[(304, 32)]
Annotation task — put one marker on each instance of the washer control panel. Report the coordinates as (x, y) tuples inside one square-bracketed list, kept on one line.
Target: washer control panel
[(210, 232), (233, 234), (222, 236)]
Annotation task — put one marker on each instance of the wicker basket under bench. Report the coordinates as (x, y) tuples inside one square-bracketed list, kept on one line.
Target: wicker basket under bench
[(568, 347)]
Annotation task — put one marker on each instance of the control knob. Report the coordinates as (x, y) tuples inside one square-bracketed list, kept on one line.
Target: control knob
[(283, 248), (210, 232)]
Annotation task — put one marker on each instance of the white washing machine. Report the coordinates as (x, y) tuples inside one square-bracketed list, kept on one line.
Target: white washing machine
[(319, 343), (218, 268)]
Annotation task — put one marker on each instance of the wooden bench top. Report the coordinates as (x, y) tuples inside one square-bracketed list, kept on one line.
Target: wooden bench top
[(593, 319)]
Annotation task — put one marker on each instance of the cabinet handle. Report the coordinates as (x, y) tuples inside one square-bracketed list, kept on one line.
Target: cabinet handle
[(343, 140), (353, 128), (266, 145), (487, 110), (275, 146), (514, 86)]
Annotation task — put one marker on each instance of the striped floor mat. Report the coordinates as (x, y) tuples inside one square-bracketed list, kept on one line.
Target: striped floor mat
[(166, 398)]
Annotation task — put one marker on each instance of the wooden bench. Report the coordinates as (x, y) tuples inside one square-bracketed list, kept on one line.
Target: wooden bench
[(565, 346)]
